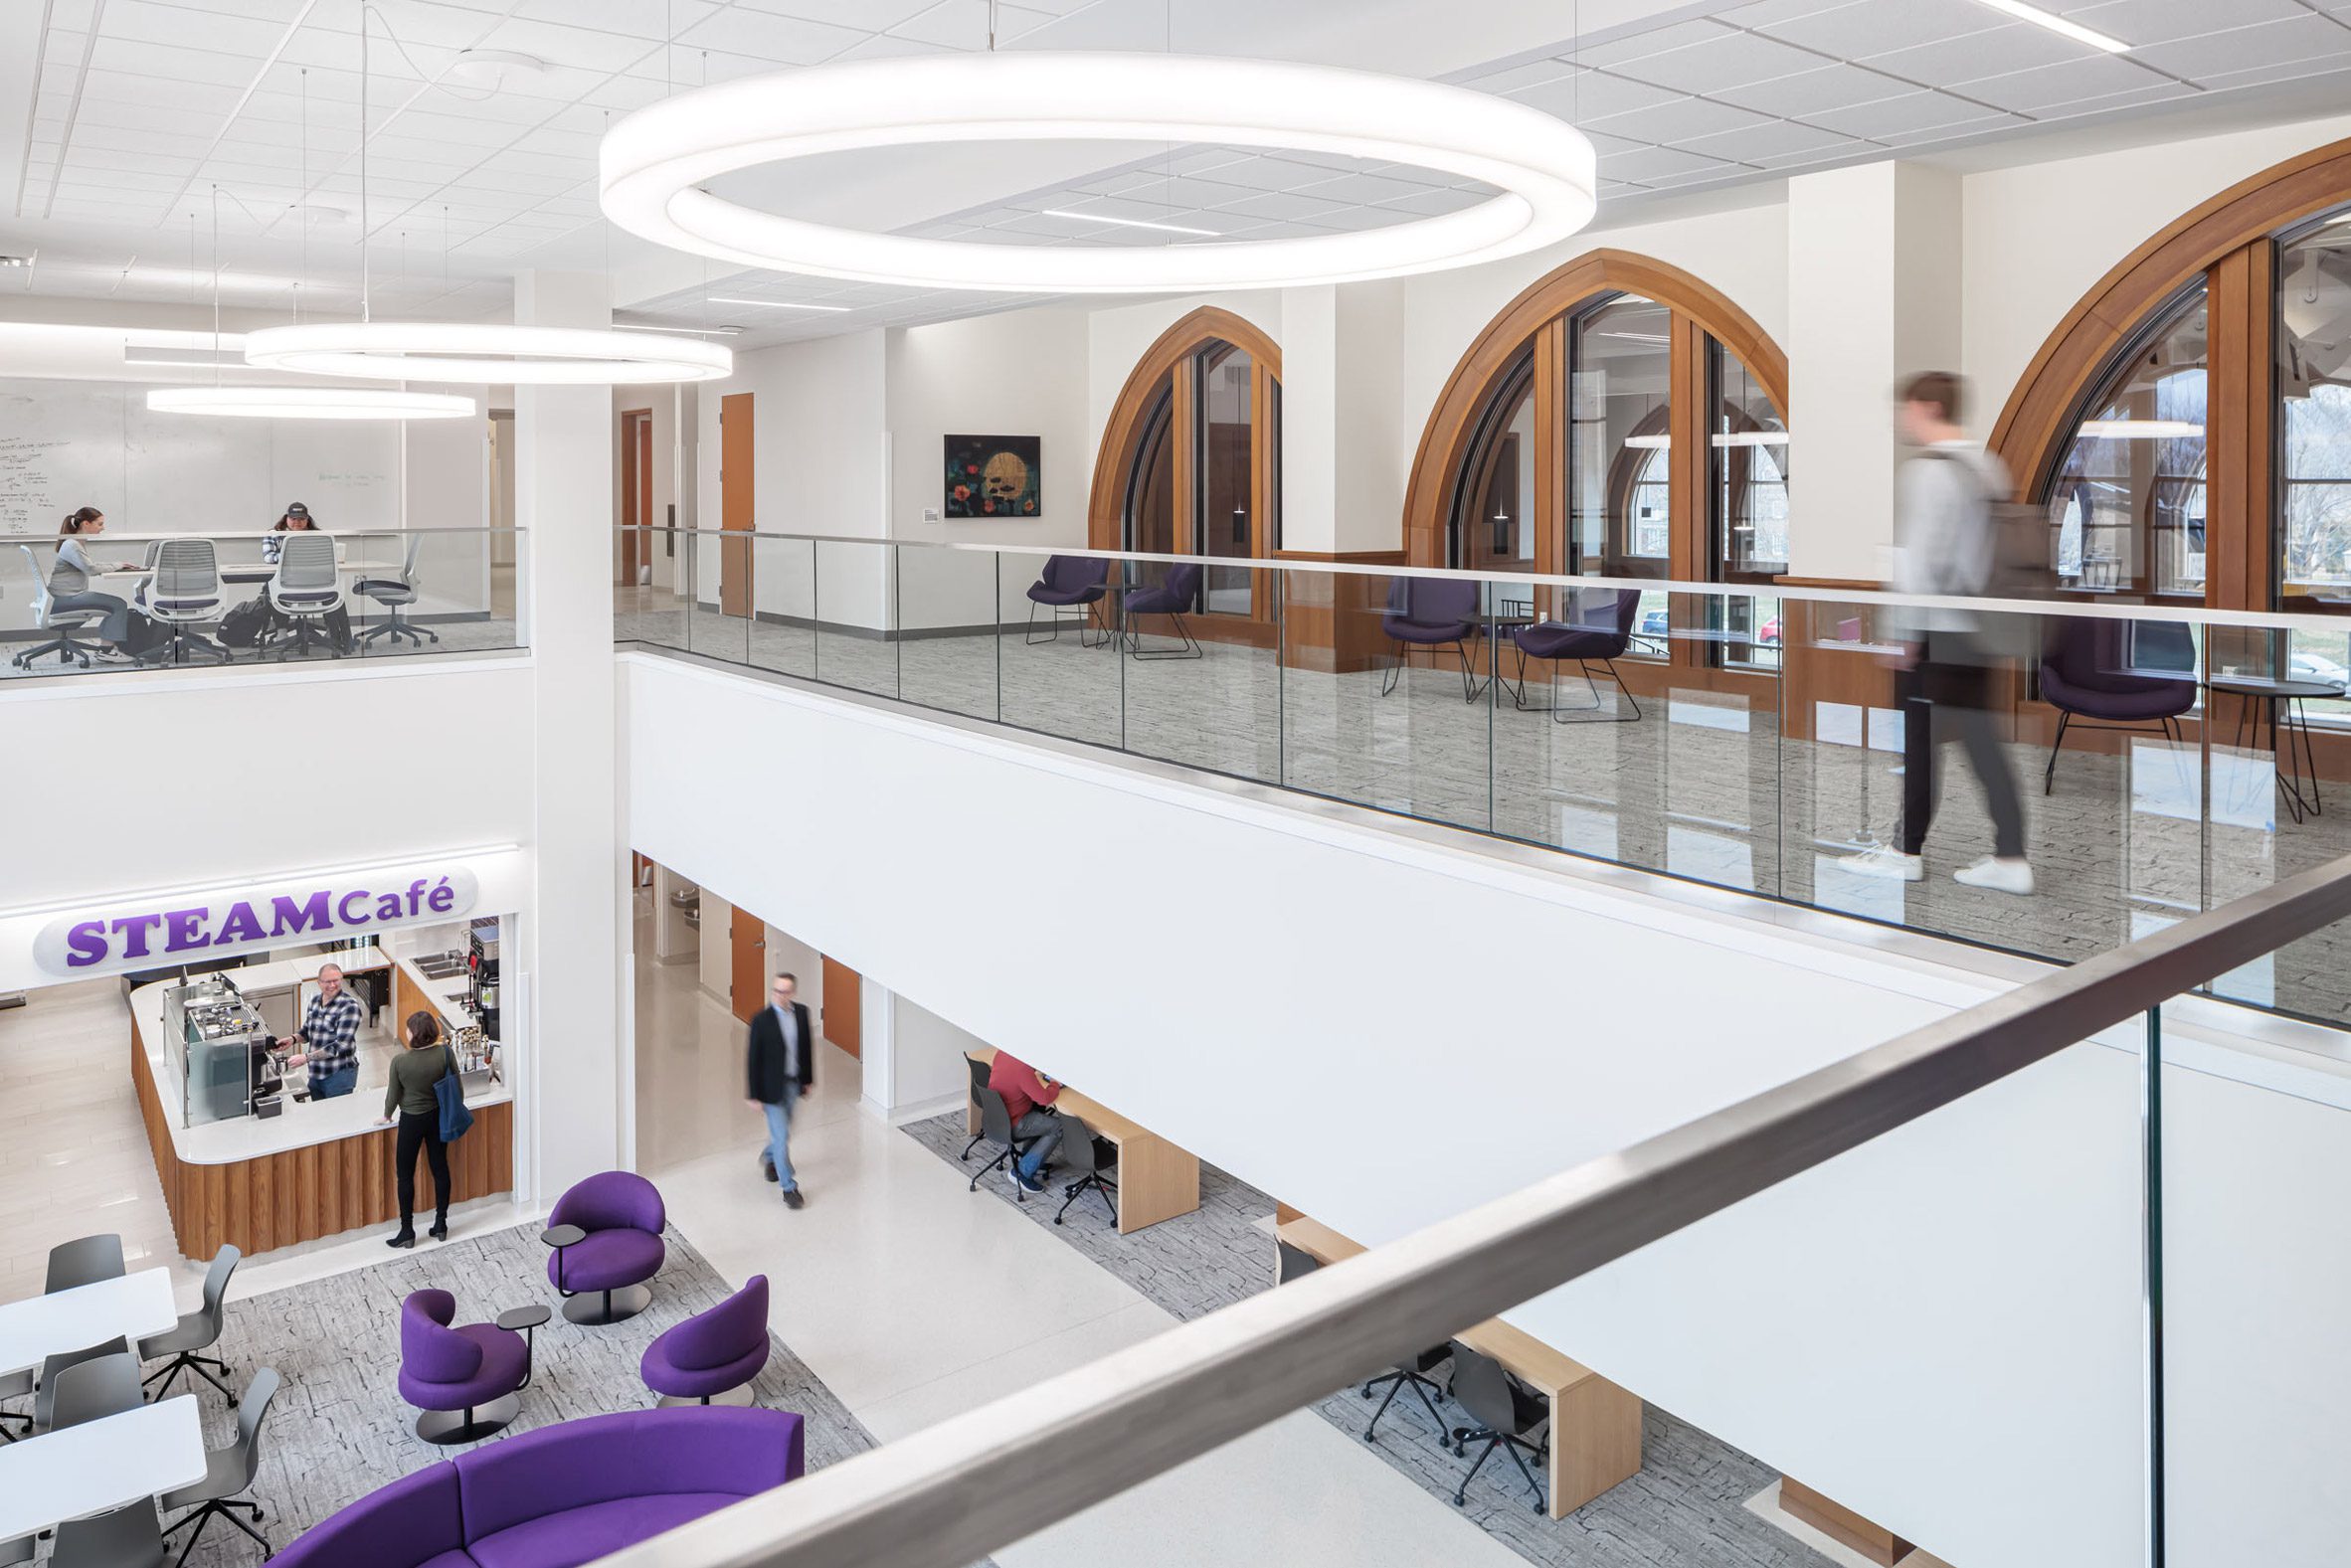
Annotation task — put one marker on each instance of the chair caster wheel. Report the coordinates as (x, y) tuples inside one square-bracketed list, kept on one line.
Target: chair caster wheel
[(1056, 1219)]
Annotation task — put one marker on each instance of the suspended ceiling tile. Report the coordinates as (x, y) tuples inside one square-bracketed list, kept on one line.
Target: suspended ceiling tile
[(1809, 92), (1683, 121), (1983, 123), (1651, 164), (2249, 48), (1363, 188), (2161, 93), (1887, 117), (963, 24), (2143, 22), (1972, 56), (1656, 41), (628, 18), (871, 16), (582, 48), (1592, 94), (162, 60), (1434, 202), (2050, 87), (1514, 78), (2292, 72), (147, 23), (1778, 140), (1289, 207), (1724, 61), (784, 40), (1767, 13), (889, 46), (1864, 28)]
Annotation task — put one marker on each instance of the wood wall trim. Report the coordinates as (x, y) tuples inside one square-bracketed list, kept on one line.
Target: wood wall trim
[(1344, 557), (1106, 505), (1453, 421), (2035, 420)]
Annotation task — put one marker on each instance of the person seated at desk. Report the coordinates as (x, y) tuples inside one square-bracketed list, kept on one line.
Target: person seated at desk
[(329, 1042), (72, 580), (297, 519), (1028, 1096)]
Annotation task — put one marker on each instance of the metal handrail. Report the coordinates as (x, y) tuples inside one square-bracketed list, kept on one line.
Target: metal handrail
[(2193, 615), (948, 1496)]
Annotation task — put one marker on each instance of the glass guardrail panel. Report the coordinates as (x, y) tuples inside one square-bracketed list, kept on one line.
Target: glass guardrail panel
[(777, 597), (1061, 644), (948, 627), (718, 620), (1202, 675), (650, 604), (434, 590), (855, 608), (1385, 693)]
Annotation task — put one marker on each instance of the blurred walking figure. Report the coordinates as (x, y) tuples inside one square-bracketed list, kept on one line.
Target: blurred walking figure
[(1947, 541)]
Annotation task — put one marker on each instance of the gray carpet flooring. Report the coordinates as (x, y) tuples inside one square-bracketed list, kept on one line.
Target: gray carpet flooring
[(338, 1428), (1684, 1509)]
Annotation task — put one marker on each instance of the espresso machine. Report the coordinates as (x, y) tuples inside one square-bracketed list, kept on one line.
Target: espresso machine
[(481, 974)]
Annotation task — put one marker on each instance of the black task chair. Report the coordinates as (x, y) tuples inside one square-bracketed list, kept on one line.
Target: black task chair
[(197, 1331), (1506, 1410), (995, 1127), (228, 1471), (84, 1261), (1088, 1158), (1292, 1264), (979, 1071)]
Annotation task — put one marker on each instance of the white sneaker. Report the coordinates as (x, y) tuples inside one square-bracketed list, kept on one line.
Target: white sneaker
[(2001, 876), (1887, 862)]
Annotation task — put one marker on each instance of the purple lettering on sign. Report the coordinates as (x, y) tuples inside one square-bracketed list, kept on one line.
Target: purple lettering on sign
[(344, 908), (134, 929), (387, 907), (440, 898), (242, 925), (86, 944), (296, 915), (183, 929)]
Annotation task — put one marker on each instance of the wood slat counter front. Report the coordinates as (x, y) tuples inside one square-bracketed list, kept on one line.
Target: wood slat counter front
[(276, 1195)]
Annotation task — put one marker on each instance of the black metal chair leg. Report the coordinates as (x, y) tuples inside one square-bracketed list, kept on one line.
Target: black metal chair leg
[(965, 1156), (2049, 774), (202, 1516), (1532, 1483), (1461, 1493), (1395, 1386), (1421, 1387), (1395, 670)]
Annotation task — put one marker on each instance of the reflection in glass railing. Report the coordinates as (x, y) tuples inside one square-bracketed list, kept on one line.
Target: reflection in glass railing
[(173, 600), (1853, 753)]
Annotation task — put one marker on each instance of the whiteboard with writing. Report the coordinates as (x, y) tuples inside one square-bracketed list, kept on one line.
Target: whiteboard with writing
[(72, 443)]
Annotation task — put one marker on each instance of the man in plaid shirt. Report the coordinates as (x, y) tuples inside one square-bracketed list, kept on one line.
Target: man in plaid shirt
[(329, 1042)]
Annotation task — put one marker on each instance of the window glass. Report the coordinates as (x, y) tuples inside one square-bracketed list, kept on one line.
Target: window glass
[(1150, 489), (1224, 528), (2314, 424), (1750, 465), (2127, 503), (1494, 519), (1620, 366)]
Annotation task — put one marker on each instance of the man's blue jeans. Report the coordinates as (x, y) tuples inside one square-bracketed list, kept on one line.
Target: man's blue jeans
[(329, 1085), (1046, 1127), (779, 1149)]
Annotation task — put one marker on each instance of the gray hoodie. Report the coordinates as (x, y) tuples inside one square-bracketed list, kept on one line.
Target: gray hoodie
[(1943, 540)]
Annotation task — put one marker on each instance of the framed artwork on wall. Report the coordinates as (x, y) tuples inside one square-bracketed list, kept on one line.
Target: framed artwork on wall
[(994, 476)]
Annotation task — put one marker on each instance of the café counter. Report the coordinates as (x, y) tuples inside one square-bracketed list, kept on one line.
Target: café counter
[(317, 1168)]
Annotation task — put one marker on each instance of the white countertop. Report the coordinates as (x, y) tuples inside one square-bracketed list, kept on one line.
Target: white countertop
[(100, 1465), (302, 1123)]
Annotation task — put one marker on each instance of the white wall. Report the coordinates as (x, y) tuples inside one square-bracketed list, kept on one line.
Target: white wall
[(1939, 1330), (1021, 373)]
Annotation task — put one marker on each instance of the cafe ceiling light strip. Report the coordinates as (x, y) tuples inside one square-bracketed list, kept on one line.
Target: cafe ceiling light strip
[(481, 351), (657, 164), (310, 403)]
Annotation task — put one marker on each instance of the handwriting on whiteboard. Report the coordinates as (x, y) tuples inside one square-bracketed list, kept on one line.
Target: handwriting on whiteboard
[(26, 493)]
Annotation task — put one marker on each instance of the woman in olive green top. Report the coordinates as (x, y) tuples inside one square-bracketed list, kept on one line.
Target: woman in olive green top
[(409, 1091)]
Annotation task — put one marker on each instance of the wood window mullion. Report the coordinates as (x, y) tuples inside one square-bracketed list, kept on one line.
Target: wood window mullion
[(1687, 475)]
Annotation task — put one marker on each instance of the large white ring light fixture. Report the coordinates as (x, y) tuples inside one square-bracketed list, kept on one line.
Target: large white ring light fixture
[(655, 161), (477, 351), (309, 403)]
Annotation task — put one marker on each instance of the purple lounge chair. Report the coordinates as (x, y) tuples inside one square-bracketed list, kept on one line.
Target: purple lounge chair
[(2104, 673), (1430, 612), (606, 1236), (561, 1495), (466, 1380), (1599, 633), (1179, 591), (1071, 582), (712, 1357)]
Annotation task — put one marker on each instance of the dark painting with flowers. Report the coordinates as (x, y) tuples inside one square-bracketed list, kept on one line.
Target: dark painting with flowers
[(992, 476)]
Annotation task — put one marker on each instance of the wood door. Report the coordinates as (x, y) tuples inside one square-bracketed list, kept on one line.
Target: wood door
[(734, 502), (843, 1022), (747, 983), (637, 494)]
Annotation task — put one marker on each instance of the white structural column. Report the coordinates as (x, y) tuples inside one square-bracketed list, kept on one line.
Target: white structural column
[(1346, 450), (576, 1082), (913, 1058), (1872, 298)]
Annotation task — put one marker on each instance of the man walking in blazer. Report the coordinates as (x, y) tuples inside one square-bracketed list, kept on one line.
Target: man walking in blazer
[(782, 1067)]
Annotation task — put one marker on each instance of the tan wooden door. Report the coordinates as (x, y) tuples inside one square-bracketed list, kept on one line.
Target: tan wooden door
[(734, 504), (747, 982), (843, 1022)]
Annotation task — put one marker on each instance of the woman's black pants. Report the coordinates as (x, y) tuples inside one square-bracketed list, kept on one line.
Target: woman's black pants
[(420, 1130)]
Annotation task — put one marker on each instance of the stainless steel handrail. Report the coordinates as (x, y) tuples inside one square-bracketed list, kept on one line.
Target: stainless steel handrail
[(2192, 615), (950, 1495)]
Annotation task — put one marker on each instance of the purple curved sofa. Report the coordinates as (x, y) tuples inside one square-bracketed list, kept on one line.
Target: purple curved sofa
[(622, 1215), (715, 1353), (561, 1495)]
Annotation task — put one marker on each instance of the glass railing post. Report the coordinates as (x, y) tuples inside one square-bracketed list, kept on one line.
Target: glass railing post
[(2151, 1272)]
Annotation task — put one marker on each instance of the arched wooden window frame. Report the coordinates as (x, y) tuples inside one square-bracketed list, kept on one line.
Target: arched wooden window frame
[(2230, 240), (1172, 353), (1541, 313)]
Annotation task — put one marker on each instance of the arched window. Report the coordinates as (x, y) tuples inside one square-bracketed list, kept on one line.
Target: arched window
[(1191, 462), (2188, 427)]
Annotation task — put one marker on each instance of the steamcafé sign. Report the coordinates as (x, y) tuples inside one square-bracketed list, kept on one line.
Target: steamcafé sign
[(157, 933)]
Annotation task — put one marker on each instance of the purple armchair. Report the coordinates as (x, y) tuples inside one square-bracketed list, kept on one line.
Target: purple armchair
[(1430, 612), (1071, 582), (2114, 676), (466, 1380), (1179, 591), (606, 1236), (561, 1495), (1600, 629), (712, 1357)]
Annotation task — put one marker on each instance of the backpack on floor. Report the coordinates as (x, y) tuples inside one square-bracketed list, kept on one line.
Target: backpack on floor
[(242, 628)]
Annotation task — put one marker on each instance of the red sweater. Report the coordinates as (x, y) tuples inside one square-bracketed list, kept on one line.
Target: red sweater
[(1018, 1083)]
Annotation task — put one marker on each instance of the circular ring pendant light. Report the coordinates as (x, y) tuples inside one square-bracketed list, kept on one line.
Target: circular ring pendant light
[(484, 352), (654, 163), (309, 403)]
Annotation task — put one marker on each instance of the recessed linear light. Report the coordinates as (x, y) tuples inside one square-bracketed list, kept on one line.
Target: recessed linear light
[(2058, 24), (772, 304), (2140, 429), (1127, 223), (639, 326), (17, 260)]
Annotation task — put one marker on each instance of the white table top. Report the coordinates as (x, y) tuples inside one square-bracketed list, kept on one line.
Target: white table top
[(100, 1465), (131, 1307)]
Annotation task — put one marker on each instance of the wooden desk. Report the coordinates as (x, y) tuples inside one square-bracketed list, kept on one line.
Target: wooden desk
[(1595, 1425), (1156, 1179)]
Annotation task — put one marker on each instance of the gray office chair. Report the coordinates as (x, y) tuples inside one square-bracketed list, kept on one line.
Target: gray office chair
[(1506, 1412), (128, 1537), (17, 1551), (15, 1385), (87, 1385), (228, 1471), (47, 617), (1087, 1161), (979, 1072), (995, 1127), (306, 588), (197, 1331), (1294, 1262), (84, 1261), (393, 593), (184, 593)]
